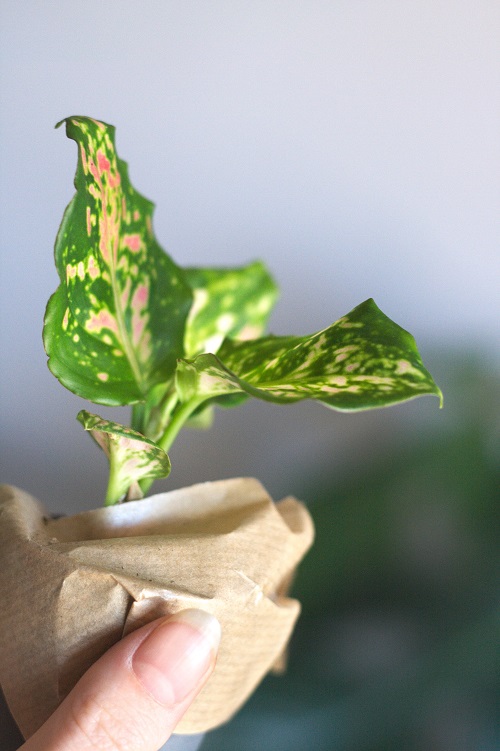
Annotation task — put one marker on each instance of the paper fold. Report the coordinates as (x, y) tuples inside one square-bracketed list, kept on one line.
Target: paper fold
[(72, 587)]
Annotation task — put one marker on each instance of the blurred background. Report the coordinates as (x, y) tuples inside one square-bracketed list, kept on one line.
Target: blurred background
[(354, 147)]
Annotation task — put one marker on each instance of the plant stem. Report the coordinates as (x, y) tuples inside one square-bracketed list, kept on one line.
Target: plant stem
[(159, 416), (178, 420), (114, 491), (138, 417)]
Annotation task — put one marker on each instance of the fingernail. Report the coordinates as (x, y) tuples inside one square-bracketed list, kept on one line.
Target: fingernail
[(173, 659)]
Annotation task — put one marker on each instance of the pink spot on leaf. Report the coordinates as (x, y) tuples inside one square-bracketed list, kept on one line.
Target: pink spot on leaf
[(92, 168), (102, 320), (140, 298), (133, 242), (104, 240), (140, 319), (114, 180), (138, 325), (134, 462), (84, 159), (403, 366), (102, 162), (104, 249), (89, 224), (92, 269)]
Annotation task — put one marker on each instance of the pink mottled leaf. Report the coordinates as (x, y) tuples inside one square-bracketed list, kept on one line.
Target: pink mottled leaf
[(132, 456), (114, 328)]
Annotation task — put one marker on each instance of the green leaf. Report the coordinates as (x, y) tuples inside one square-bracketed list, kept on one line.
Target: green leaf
[(114, 328), (132, 456), (362, 361), (233, 303)]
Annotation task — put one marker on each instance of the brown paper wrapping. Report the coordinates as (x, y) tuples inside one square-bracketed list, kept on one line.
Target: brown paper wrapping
[(72, 587)]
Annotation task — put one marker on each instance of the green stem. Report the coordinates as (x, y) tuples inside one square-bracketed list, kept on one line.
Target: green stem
[(150, 419), (138, 417), (178, 420), (160, 416), (114, 488)]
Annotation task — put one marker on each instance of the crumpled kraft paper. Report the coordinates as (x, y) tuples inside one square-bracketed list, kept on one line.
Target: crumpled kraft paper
[(72, 587)]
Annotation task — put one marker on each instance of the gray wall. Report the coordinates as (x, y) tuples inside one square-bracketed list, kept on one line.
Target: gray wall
[(352, 145)]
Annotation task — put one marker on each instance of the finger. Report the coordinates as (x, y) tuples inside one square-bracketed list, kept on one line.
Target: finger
[(134, 696)]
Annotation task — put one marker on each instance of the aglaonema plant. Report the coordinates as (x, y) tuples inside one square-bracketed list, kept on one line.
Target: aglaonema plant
[(128, 326)]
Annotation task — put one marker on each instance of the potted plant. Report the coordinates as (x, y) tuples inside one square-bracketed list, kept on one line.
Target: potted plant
[(127, 326)]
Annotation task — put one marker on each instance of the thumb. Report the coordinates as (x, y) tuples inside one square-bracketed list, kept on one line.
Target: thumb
[(134, 696)]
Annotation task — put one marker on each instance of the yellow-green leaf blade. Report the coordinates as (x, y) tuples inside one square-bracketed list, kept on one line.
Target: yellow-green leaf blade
[(362, 361), (132, 456), (120, 288), (228, 302)]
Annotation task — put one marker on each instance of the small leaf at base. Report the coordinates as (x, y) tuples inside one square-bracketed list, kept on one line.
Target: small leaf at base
[(132, 456)]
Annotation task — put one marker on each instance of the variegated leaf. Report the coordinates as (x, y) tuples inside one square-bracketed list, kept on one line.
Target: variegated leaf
[(115, 326), (363, 360), (233, 303), (132, 456)]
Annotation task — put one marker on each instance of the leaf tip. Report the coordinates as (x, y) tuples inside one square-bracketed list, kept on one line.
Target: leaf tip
[(58, 124)]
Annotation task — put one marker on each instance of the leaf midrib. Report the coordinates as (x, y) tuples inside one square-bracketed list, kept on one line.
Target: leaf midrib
[(122, 328), (275, 383)]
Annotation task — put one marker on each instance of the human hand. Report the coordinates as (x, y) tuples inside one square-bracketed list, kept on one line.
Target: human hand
[(132, 698)]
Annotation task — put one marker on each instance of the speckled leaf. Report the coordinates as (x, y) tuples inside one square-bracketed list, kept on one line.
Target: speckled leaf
[(115, 326), (233, 303), (362, 361), (132, 456)]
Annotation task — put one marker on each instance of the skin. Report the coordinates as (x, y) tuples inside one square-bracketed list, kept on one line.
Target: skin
[(134, 696)]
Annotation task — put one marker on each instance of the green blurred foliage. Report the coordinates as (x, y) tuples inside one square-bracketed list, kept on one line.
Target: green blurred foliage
[(397, 647)]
